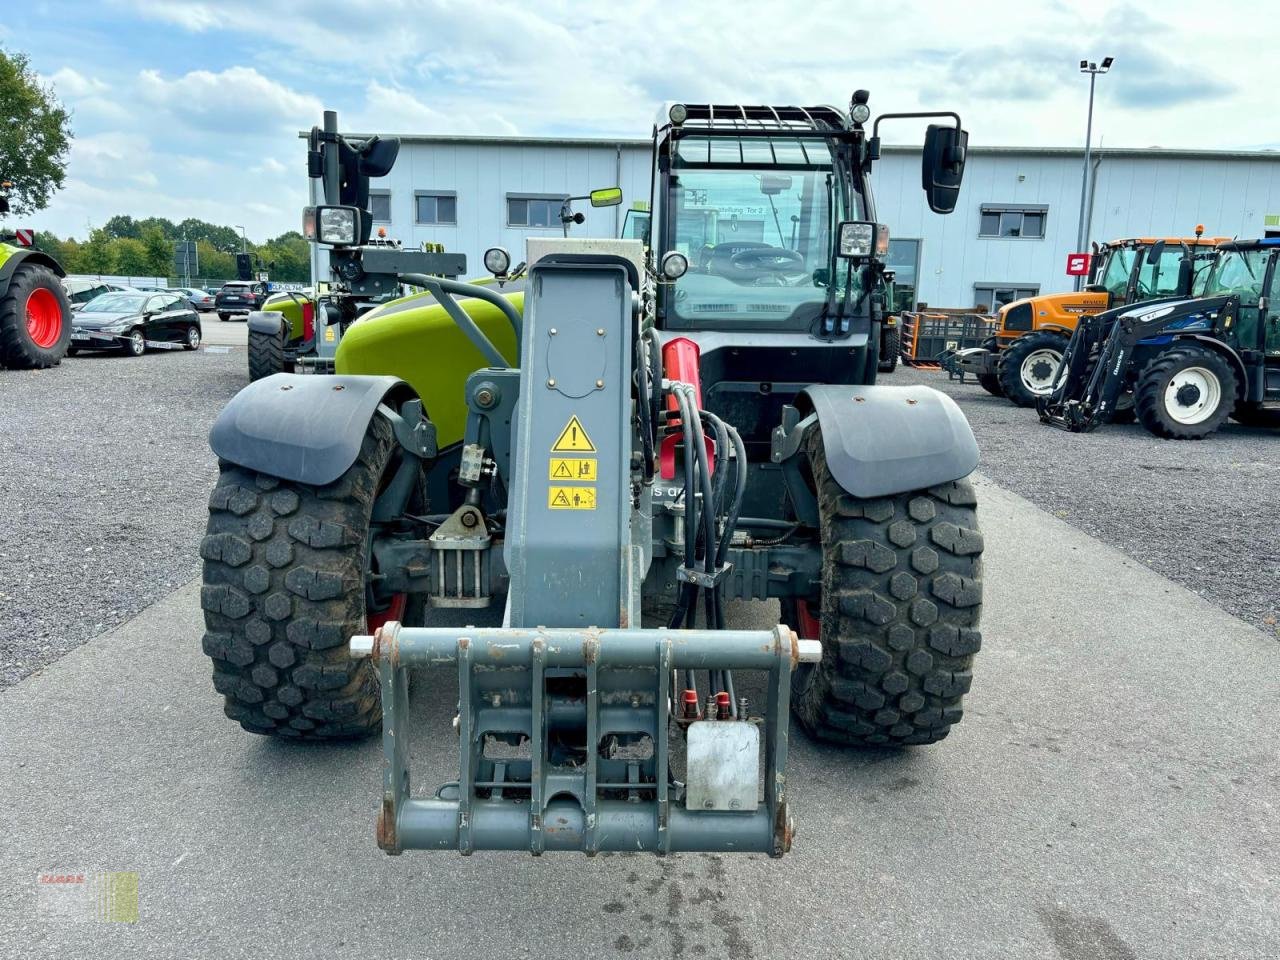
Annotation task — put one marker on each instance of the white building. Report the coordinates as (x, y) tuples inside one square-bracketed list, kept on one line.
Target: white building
[(1014, 224)]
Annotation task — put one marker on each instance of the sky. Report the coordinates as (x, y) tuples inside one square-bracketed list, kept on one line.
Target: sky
[(191, 108)]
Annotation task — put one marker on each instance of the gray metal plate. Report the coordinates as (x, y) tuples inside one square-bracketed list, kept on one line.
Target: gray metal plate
[(723, 766)]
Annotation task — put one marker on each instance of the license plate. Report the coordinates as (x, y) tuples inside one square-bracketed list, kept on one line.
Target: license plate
[(79, 336)]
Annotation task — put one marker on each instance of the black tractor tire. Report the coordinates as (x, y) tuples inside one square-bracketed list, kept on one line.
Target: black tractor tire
[(1125, 411), (224, 317), (1036, 351), (22, 347), (991, 383), (1180, 417), (901, 600), (266, 353), (890, 350), (136, 343), (285, 569)]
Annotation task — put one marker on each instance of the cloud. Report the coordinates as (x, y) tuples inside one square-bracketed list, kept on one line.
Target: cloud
[(236, 102), (71, 84)]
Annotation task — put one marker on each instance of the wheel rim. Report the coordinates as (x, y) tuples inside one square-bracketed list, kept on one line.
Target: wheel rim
[(44, 318), (137, 343), (1192, 395), (1037, 370), (193, 337)]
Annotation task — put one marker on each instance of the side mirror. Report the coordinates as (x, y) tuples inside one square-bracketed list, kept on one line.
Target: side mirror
[(1185, 269), (378, 156), (1155, 252), (942, 166), (606, 197)]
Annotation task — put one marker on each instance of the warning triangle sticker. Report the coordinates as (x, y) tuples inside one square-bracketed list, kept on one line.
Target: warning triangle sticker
[(573, 439), (561, 499), (562, 471)]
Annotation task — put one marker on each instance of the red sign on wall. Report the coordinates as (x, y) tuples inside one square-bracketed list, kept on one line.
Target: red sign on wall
[(1078, 264)]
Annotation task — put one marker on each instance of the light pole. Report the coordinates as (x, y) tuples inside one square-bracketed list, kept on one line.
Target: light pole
[(244, 242), (1092, 69)]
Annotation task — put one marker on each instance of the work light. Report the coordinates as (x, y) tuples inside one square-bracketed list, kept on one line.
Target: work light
[(857, 239), (675, 265), (497, 261)]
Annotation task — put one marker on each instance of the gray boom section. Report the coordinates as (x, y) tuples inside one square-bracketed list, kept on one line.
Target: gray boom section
[(568, 545), (306, 429)]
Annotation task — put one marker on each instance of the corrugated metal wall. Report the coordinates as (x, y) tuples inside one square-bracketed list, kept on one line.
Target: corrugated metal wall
[(1136, 195)]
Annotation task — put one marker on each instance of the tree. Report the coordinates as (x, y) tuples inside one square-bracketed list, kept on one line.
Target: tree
[(132, 258), (159, 250), (35, 136), (97, 255), (122, 225), (214, 263)]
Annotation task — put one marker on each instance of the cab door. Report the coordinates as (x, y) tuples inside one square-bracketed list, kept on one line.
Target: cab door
[(1271, 314)]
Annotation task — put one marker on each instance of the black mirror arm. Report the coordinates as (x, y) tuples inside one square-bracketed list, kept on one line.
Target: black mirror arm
[(875, 127)]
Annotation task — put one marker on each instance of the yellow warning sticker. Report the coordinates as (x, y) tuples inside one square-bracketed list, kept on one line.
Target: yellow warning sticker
[(571, 498), (328, 334), (573, 439), (572, 468)]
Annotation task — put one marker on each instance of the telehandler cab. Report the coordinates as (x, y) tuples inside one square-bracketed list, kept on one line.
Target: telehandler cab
[(1020, 361), (693, 423), (1187, 364)]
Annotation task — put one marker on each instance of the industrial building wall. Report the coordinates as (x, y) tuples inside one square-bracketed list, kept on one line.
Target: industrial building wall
[(1137, 194)]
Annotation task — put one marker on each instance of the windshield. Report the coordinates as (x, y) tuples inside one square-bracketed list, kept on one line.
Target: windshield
[(1238, 273), (116, 303), (1115, 271), (1164, 281), (758, 238)]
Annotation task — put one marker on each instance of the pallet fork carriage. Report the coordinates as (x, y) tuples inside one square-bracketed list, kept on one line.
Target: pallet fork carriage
[(621, 434)]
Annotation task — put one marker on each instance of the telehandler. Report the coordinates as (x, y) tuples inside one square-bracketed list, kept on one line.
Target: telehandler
[(695, 422)]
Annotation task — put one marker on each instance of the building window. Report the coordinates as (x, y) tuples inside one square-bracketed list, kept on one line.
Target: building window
[(380, 205), (436, 206), (534, 210), (990, 297), (1008, 221)]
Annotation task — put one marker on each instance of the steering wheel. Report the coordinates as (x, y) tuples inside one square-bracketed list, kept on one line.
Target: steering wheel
[(760, 262)]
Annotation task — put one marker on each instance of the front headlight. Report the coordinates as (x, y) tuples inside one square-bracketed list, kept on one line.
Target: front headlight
[(336, 226), (119, 327)]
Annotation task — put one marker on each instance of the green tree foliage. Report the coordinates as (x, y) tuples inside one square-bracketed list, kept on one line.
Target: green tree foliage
[(97, 254), (159, 250), (132, 259), (35, 136)]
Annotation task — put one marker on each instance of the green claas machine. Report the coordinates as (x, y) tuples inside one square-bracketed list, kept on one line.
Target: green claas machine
[(671, 427), (35, 315)]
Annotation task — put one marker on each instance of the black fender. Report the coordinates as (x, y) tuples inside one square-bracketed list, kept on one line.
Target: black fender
[(882, 440), (304, 428), (266, 321), (20, 257)]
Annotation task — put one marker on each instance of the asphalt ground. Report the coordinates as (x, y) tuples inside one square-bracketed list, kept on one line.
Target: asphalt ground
[(1112, 793), (1204, 513)]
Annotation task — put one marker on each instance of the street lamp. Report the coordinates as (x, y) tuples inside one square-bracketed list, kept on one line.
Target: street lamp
[(244, 242), (1092, 69)]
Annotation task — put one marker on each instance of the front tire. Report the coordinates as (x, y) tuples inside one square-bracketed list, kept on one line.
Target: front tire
[(1186, 393), (192, 341), (285, 573), (991, 383), (1028, 366), (135, 345), (35, 319), (901, 600), (890, 350), (224, 317), (266, 353)]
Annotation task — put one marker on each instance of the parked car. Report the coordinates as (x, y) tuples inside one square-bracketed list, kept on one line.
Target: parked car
[(240, 296), (132, 320), (200, 300), (80, 292)]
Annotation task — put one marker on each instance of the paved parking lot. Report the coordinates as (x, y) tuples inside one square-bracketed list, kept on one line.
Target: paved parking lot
[(1112, 793)]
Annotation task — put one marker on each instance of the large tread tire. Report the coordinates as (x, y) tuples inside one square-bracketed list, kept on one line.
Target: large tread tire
[(1149, 394), (901, 601), (891, 351), (1009, 368), (284, 590), (18, 350), (266, 354), (991, 383)]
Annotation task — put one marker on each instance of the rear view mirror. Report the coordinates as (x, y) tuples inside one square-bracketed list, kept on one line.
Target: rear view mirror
[(1155, 252), (606, 197), (942, 166), (772, 184), (378, 156)]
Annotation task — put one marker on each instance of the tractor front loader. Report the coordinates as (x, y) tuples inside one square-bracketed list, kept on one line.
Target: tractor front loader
[(1186, 364), (691, 422)]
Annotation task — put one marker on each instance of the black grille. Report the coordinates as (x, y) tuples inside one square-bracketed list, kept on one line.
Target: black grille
[(1018, 317)]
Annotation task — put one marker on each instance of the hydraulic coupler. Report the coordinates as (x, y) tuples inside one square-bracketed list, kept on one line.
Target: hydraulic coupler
[(567, 741)]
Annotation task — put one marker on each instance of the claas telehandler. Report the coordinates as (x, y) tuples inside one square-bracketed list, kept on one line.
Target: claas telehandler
[(672, 424)]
